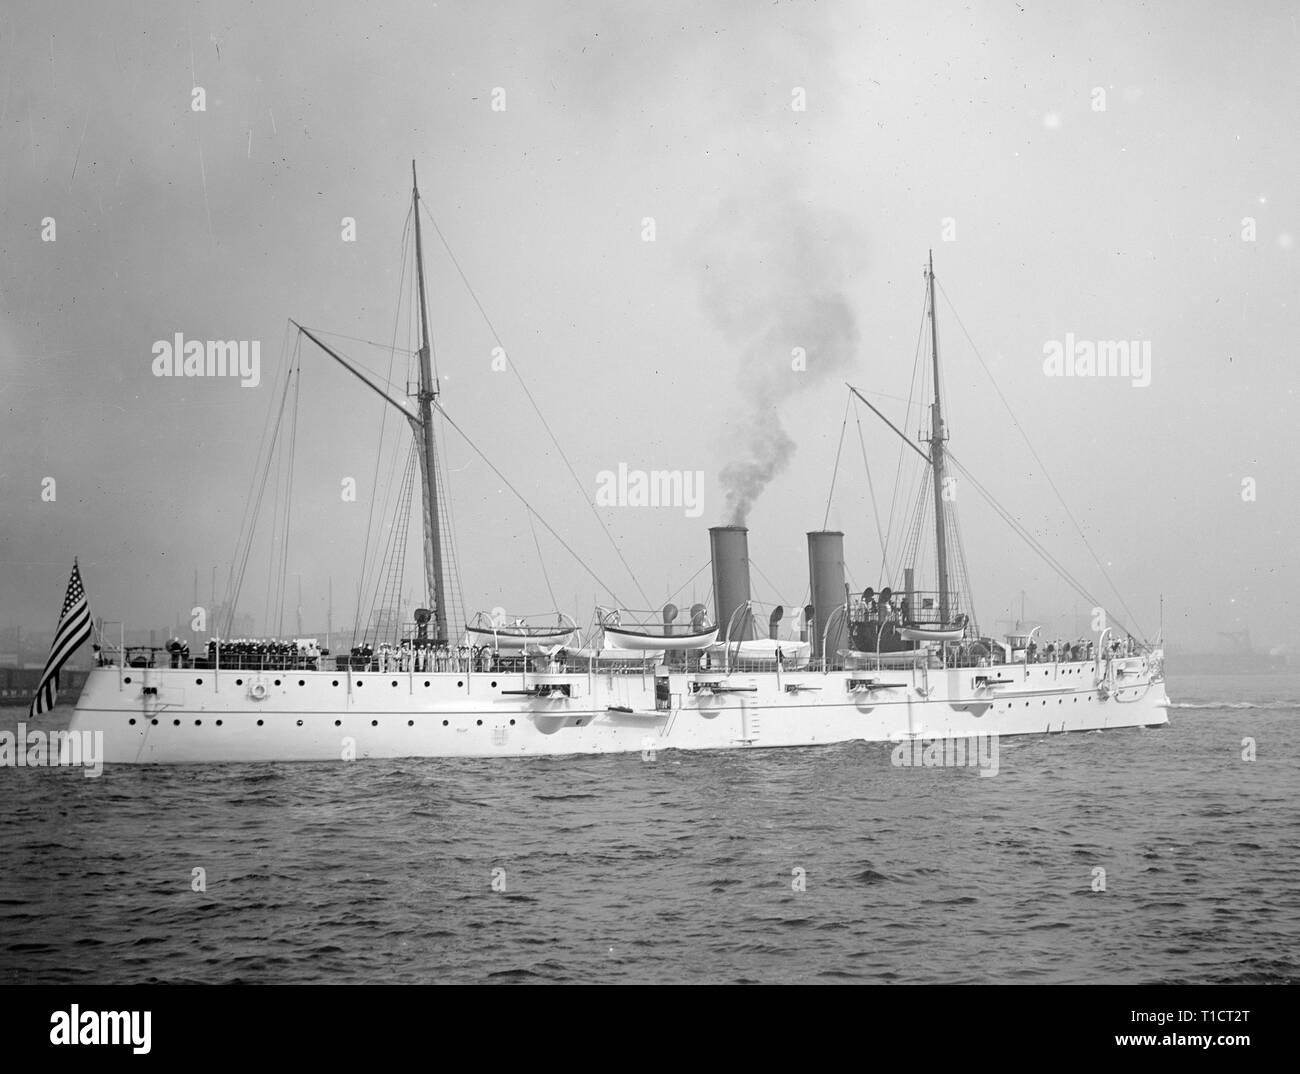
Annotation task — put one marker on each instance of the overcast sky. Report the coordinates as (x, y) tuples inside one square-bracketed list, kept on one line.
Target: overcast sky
[(775, 228)]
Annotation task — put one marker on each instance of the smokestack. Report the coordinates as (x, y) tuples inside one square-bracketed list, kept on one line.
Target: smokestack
[(729, 548), (826, 583)]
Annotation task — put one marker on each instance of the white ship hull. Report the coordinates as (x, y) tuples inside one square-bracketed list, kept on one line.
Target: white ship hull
[(165, 715)]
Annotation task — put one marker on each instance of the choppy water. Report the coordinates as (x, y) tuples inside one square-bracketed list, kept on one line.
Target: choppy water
[(681, 868)]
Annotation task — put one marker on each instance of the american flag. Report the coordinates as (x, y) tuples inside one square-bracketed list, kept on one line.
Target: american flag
[(72, 632)]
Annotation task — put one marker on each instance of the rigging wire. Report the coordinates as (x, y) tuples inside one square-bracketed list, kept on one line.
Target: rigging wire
[(835, 470), (288, 494), (911, 394), (689, 580), (269, 429), (268, 604), (383, 421), (388, 579), (368, 342), (1037, 459), (520, 496), (247, 539), (776, 592), (447, 500), (965, 595), (1029, 539), (542, 559), (538, 410), (880, 534), (380, 379), (372, 572)]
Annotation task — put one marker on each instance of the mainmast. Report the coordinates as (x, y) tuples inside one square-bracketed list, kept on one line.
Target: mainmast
[(433, 567), (936, 458)]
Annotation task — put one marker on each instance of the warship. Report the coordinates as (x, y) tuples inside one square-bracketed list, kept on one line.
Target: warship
[(905, 662)]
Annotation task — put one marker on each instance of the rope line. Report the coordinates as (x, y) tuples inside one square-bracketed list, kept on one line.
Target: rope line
[(1035, 545), (1070, 514), (880, 533), (835, 470), (542, 560), (532, 402), (383, 422), (522, 499)]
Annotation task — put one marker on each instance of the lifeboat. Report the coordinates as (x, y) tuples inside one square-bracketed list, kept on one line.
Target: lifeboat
[(520, 634), (617, 637), (932, 633)]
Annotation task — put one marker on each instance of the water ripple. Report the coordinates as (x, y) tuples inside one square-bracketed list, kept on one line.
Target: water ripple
[(1126, 857)]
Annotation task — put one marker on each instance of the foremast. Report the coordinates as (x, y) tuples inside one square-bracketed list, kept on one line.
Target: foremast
[(434, 572), (421, 423)]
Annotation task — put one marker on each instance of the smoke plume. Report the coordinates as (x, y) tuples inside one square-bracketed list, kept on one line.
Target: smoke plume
[(776, 271)]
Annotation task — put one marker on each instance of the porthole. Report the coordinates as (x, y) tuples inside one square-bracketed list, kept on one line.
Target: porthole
[(239, 682), (277, 682), (131, 721), (460, 682), (198, 723), (374, 723), (259, 723), (127, 679), (336, 682), (176, 723), (494, 682), (302, 682), (394, 682), (444, 723), (410, 723), (361, 682), (153, 723), (338, 723), (480, 723), (218, 723), (426, 682), (198, 682), (512, 723)]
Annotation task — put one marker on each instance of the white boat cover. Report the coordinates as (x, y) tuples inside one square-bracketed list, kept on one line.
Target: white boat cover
[(511, 637), (619, 638), (932, 633), (794, 654)]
